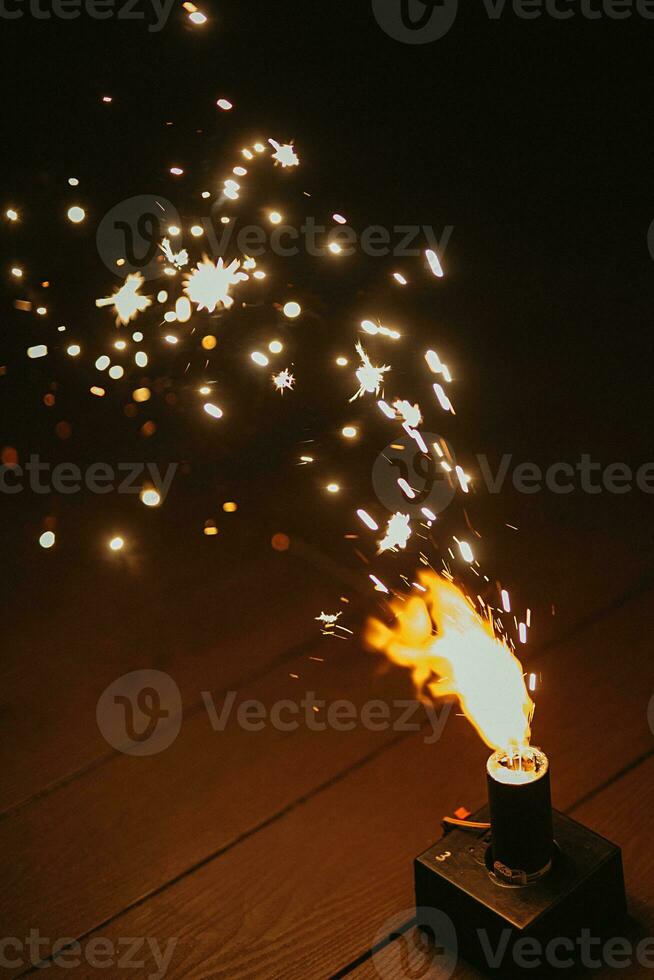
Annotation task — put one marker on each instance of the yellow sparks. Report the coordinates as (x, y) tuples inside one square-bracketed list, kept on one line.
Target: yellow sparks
[(178, 259), (150, 497), (285, 154), (208, 285), (292, 310), (127, 301), (375, 329), (370, 378), (283, 380), (379, 586), (369, 521), (466, 551), (398, 532), (410, 414), (40, 350), (444, 401), (451, 650), (434, 263), (328, 618)]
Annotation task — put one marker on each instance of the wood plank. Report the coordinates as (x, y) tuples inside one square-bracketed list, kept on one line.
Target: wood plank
[(309, 893), (195, 626), (135, 824)]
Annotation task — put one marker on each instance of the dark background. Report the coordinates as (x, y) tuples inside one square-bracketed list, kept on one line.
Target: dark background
[(531, 138)]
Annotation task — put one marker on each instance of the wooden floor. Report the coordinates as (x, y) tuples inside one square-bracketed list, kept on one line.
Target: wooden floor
[(272, 854)]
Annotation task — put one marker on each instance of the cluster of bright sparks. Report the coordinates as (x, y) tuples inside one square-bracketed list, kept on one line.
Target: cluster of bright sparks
[(201, 286)]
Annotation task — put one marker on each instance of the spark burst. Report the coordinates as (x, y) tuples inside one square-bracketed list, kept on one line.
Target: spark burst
[(127, 301), (283, 380), (285, 154), (397, 534), (208, 285), (370, 378)]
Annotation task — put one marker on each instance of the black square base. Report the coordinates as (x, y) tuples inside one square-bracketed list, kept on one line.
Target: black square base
[(501, 929)]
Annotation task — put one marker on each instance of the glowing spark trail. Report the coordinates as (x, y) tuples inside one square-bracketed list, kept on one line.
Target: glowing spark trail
[(434, 263)]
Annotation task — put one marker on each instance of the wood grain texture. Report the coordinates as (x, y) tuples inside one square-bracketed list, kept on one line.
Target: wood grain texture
[(125, 829), (312, 891), (190, 625)]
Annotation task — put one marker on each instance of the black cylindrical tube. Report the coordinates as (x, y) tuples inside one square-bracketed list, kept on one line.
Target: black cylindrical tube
[(520, 815)]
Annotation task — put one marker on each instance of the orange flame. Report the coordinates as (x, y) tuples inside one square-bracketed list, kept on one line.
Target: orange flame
[(463, 658)]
